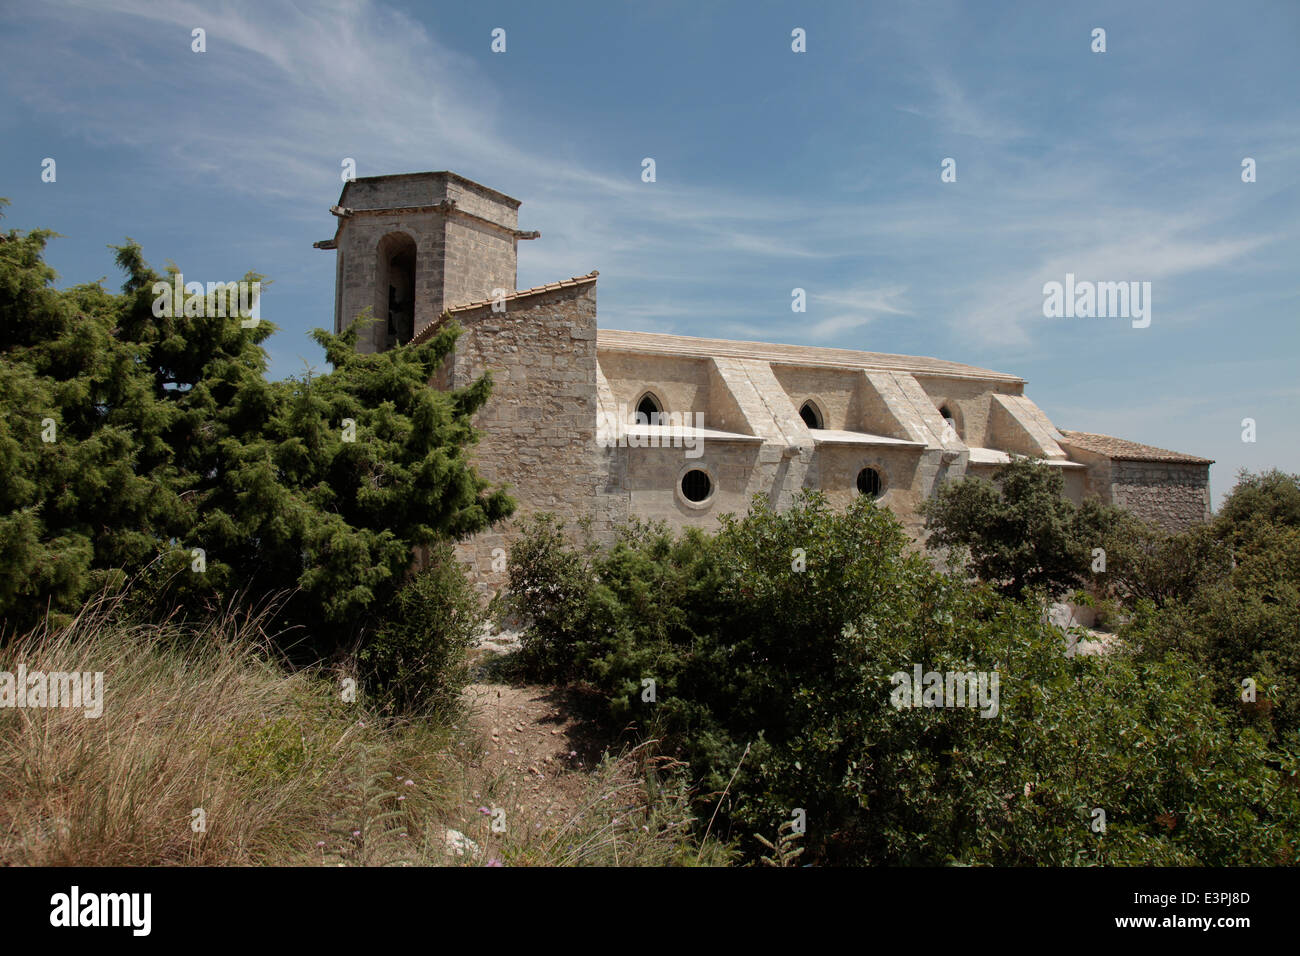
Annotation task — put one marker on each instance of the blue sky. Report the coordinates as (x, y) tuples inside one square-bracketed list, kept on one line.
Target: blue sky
[(775, 170)]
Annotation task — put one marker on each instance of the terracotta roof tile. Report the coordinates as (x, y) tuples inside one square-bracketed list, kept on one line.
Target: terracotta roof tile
[(1124, 450)]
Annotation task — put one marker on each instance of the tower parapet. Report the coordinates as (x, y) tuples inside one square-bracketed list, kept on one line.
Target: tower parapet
[(412, 245)]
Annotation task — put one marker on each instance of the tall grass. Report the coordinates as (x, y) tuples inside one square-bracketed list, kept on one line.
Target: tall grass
[(210, 750)]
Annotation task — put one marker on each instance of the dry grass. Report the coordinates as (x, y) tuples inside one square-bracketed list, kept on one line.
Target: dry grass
[(634, 810), (284, 771), (202, 719)]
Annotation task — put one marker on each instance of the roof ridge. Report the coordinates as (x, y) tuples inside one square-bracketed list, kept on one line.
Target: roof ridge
[(853, 357), (1123, 449), (428, 330)]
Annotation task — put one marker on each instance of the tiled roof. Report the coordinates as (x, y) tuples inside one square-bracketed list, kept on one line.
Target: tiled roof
[(659, 343), (1123, 450), (427, 332)]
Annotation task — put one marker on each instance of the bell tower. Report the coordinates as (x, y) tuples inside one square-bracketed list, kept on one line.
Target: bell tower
[(414, 244)]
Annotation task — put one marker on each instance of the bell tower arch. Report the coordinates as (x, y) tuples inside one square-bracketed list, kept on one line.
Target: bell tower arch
[(412, 245)]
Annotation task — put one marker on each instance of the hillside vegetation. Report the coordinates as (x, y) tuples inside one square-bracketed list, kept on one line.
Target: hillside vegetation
[(283, 682)]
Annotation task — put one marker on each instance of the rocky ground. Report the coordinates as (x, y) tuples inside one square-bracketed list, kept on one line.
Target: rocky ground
[(528, 755)]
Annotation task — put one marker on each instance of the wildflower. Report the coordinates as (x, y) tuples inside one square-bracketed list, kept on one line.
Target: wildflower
[(495, 862), (410, 783)]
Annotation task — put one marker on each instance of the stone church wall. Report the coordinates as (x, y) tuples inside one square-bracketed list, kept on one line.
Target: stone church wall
[(1172, 494), (539, 426)]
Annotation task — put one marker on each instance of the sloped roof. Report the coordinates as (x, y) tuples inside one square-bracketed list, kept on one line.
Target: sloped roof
[(427, 332), (1121, 449), (660, 343)]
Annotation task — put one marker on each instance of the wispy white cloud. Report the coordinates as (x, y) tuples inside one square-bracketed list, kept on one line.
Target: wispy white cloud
[(853, 308), (286, 92)]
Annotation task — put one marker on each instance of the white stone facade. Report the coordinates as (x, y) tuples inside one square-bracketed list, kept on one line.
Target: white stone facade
[(561, 428)]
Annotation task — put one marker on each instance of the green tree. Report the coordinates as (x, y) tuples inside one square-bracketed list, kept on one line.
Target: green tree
[(1271, 498), (169, 438), (1018, 531), (1241, 619), (1146, 562), (774, 647)]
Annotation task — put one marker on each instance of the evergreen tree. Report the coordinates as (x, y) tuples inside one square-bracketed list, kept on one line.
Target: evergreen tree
[(130, 442)]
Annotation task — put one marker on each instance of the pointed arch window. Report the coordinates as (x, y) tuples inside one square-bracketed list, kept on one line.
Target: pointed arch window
[(648, 410)]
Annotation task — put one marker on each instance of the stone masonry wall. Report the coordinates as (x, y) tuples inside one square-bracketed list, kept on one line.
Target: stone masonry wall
[(359, 271), (539, 426), (833, 392), (458, 259), (680, 385), (1172, 494), (969, 399), (479, 259)]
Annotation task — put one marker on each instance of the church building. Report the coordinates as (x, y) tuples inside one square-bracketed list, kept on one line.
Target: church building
[(589, 422)]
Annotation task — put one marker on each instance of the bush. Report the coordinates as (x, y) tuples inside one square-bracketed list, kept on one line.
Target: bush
[(1245, 626), (416, 658), (773, 647), (1269, 498), (1145, 562), (129, 442), (1018, 531)]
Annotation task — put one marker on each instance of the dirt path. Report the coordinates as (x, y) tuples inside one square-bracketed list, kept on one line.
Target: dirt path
[(536, 753)]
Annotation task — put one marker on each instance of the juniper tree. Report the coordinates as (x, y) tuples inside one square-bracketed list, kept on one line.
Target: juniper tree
[(135, 443)]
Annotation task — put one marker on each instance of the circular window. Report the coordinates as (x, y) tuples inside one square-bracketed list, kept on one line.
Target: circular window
[(869, 482), (696, 485), (811, 415)]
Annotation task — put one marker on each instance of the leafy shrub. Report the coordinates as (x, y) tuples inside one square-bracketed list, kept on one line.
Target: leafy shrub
[(1145, 562), (1228, 596), (416, 658), (1019, 530), (773, 644), (1270, 498), (1245, 626)]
